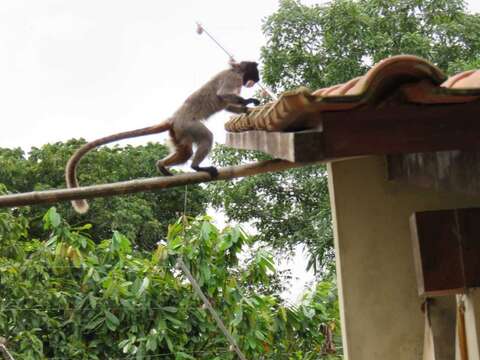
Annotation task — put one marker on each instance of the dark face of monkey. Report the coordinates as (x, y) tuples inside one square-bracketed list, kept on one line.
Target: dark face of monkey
[(250, 73)]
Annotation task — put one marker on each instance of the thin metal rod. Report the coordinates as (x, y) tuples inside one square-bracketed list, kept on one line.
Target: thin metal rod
[(271, 94), (200, 26), (210, 308), (232, 58), (139, 185)]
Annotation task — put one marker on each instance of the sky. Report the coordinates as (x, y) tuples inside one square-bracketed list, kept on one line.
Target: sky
[(91, 68), (94, 67)]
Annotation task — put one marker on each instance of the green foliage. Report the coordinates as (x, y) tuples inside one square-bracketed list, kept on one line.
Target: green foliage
[(322, 45), (69, 296), (286, 209), (142, 217)]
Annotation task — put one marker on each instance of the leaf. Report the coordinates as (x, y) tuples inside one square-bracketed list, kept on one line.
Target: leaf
[(235, 234), (160, 254), (52, 219), (175, 243), (170, 309), (83, 227), (206, 230), (173, 320), (144, 286), (95, 322), (151, 343), (170, 344), (225, 243), (120, 243), (112, 321), (251, 341), (183, 356), (92, 300), (260, 335)]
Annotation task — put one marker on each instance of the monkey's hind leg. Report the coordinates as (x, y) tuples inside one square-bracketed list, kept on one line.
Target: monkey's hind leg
[(204, 141), (181, 154)]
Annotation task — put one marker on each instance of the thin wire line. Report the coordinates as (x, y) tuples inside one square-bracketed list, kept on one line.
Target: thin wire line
[(185, 202), (202, 296), (223, 351), (84, 267), (210, 308), (76, 309), (202, 28), (5, 353)]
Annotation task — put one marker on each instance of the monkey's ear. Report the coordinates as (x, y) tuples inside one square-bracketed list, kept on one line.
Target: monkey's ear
[(234, 64)]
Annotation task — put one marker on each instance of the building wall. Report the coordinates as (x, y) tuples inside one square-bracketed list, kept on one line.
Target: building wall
[(472, 322), (380, 308)]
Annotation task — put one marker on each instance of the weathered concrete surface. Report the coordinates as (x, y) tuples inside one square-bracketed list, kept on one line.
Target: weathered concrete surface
[(380, 308), (472, 323)]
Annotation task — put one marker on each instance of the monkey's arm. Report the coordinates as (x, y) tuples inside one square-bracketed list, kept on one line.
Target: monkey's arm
[(236, 100), (236, 109), (229, 90)]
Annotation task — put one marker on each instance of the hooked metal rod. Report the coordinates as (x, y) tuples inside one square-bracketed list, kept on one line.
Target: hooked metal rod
[(146, 184)]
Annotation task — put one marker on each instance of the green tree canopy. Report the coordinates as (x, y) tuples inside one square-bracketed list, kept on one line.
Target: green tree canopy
[(323, 45), (69, 296), (142, 217)]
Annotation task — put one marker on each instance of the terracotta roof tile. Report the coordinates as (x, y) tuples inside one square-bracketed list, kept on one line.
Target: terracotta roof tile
[(466, 80), (415, 79)]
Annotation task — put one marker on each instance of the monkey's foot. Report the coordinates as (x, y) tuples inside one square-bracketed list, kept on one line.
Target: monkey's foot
[(163, 169), (212, 170)]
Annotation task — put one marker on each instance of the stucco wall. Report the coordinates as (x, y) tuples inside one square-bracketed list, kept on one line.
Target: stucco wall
[(380, 307)]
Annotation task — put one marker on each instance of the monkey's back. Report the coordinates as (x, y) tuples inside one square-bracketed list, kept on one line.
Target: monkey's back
[(204, 102)]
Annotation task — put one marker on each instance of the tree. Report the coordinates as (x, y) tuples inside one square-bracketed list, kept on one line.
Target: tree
[(144, 217), (71, 296), (323, 45)]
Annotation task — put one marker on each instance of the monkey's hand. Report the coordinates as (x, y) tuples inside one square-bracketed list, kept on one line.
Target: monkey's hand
[(233, 99), (237, 109), (253, 101)]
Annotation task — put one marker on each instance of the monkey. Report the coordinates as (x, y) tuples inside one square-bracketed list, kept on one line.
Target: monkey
[(185, 128)]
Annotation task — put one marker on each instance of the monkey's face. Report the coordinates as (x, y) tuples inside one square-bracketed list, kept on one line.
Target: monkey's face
[(250, 73)]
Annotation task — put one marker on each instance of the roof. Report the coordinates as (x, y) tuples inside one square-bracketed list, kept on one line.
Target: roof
[(402, 79)]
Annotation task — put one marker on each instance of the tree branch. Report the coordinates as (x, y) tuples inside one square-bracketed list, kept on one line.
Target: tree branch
[(139, 185)]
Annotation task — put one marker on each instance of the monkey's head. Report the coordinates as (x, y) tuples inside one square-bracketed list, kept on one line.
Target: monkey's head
[(249, 71)]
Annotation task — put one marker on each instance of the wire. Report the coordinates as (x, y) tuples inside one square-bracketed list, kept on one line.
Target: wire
[(202, 296), (5, 353), (201, 29), (199, 352), (210, 308)]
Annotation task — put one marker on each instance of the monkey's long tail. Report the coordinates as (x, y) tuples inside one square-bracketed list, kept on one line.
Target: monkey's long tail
[(81, 206)]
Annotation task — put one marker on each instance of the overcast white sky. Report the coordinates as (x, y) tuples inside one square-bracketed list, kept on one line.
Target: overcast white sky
[(94, 67), (89, 68)]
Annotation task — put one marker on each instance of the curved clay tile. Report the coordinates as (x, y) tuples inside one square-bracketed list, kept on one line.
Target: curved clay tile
[(418, 79), (470, 81), (326, 91), (394, 69), (451, 81), (345, 88)]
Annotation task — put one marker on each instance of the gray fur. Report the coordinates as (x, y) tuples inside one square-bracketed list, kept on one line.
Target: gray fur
[(221, 92)]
